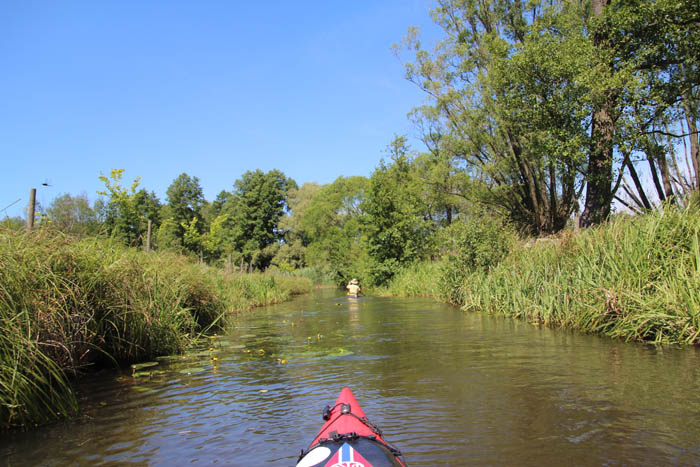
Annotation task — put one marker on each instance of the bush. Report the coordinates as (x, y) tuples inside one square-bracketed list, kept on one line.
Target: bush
[(475, 245)]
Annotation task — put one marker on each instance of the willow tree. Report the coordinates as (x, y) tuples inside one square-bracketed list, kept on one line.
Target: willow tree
[(506, 107), (330, 227), (657, 44), (537, 101)]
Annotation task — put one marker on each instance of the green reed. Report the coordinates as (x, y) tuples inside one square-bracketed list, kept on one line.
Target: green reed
[(634, 278), (416, 280), (68, 305)]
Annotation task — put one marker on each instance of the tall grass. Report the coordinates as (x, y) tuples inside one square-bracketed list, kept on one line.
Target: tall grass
[(417, 280), (66, 305), (319, 275), (635, 278)]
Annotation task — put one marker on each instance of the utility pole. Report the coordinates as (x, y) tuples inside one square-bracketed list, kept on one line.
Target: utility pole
[(31, 209)]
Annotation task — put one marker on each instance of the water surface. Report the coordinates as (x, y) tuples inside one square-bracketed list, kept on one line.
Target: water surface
[(446, 387)]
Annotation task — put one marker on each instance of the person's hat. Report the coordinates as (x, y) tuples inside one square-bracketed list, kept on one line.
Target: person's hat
[(354, 281)]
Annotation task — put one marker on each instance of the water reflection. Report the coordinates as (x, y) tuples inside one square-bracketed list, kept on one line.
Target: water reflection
[(446, 387)]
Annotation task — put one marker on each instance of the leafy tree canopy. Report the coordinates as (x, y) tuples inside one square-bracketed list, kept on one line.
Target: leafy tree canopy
[(254, 210), (127, 210), (394, 215)]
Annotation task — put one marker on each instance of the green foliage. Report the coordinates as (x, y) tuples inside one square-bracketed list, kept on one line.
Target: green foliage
[(329, 225), (416, 280), (532, 102), (320, 275), (168, 235), (475, 245), (127, 211), (443, 187), (67, 305), (254, 210), (505, 119), (393, 219), (13, 223), (299, 201), (635, 278), (215, 241), (183, 223), (289, 256), (73, 215)]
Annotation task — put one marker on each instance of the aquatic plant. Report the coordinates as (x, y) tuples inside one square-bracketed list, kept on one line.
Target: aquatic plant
[(66, 305)]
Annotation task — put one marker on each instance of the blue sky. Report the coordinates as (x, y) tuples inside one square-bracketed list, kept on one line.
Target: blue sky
[(210, 88)]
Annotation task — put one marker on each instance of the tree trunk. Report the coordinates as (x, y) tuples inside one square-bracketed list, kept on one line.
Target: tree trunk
[(532, 196), (666, 176), (599, 177), (694, 141), (638, 184), (654, 174)]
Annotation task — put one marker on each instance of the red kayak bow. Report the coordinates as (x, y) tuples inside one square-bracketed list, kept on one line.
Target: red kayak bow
[(349, 439)]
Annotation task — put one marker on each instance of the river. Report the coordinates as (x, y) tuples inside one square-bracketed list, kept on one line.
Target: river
[(446, 387)]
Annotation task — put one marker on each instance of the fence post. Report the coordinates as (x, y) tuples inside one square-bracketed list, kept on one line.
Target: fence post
[(148, 236), (31, 209)]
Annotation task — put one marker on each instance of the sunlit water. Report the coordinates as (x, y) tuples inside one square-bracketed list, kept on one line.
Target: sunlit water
[(446, 387)]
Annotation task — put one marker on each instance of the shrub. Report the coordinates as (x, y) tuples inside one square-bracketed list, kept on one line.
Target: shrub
[(475, 245)]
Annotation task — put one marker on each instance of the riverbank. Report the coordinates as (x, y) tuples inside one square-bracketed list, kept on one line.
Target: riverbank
[(68, 305), (635, 278)]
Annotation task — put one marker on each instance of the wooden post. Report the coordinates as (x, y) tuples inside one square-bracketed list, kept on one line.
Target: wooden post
[(148, 236), (229, 264), (31, 209)]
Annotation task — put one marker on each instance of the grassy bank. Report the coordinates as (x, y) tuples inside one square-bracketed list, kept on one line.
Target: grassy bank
[(635, 278), (68, 305)]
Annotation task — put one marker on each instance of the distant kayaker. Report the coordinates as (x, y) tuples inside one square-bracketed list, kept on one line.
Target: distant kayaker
[(353, 287)]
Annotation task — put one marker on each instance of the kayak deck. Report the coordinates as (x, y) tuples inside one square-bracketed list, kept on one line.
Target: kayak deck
[(349, 439)]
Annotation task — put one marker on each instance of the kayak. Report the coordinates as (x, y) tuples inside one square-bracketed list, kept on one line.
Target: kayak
[(349, 439), (353, 295)]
